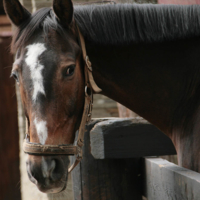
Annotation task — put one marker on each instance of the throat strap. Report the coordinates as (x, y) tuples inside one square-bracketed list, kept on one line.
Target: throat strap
[(87, 112), (88, 65)]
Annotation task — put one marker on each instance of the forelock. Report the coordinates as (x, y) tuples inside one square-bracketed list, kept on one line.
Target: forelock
[(42, 20)]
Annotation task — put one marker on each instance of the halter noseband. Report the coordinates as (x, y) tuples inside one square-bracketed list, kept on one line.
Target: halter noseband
[(90, 86)]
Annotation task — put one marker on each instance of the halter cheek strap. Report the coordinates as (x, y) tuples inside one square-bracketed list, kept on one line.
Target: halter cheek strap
[(90, 86)]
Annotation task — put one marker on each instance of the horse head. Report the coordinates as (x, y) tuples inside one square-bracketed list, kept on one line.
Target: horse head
[(49, 71)]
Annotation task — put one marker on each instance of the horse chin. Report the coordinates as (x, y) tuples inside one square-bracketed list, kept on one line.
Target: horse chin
[(48, 173), (52, 187), (52, 190)]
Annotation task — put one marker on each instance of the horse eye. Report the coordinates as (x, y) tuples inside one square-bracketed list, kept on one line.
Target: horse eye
[(15, 76), (70, 70)]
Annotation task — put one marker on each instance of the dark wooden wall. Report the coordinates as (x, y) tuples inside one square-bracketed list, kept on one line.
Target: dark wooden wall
[(9, 138), (1, 8)]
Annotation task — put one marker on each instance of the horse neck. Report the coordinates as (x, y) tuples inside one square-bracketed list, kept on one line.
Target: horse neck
[(186, 139), (150, 79)]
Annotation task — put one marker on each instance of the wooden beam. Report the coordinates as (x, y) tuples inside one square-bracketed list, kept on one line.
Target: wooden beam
[(5, 26), (167, 181), (108, 179), (4, 20), (128, 138)]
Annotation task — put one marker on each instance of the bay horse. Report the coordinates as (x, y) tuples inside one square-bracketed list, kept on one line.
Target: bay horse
[(146, 57)]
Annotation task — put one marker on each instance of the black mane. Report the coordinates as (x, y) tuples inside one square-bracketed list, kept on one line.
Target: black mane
[(120, 24), (128, 23)]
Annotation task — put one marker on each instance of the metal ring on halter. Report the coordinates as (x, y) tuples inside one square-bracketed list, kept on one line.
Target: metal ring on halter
[(87, 91), (86, 94)]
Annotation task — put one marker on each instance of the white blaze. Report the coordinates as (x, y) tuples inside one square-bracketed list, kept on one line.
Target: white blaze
[(33, 53), (41, 128), (32, 60)]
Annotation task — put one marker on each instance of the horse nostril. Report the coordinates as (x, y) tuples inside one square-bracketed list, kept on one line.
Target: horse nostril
[(52, 167), (31, 174), (56, 170), (48, 167), (46, 172)]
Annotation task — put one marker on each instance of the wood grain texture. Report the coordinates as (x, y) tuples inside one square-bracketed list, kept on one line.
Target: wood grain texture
[(108, 179), (128, 138), (167, 181), (4, 20), (9, 138)]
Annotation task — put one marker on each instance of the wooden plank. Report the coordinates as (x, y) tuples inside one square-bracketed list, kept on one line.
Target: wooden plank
[(9, 138), (167, 181), (5, 31), (128, 138), (108, 179), (4, 20), (5, 25)]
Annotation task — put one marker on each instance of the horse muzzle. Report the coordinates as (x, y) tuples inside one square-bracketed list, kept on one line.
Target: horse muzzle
[(48, 173)]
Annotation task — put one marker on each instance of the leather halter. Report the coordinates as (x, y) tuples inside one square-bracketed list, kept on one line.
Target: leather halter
[(90, 86)]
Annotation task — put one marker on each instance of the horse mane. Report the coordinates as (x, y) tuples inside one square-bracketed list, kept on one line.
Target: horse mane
[(119, 24), (134, 23)]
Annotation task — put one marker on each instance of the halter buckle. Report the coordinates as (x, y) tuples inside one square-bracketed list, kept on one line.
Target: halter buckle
[(89, 112), (79, 155), (80, 143)]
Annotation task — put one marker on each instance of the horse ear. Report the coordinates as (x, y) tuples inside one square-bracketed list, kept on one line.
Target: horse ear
[(64, 11), (16, 12)]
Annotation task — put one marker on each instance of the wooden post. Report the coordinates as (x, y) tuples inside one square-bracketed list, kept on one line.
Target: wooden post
[(108, 179), (9, 145)]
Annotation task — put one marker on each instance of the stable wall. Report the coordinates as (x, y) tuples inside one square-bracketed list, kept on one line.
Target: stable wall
[(9, 146)]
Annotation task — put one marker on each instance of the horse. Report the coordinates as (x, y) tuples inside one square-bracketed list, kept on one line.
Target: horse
[(145, 57)]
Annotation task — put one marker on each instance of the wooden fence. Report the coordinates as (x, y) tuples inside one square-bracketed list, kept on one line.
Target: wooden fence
[(9, 138), (115, 165), (166, 181)]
